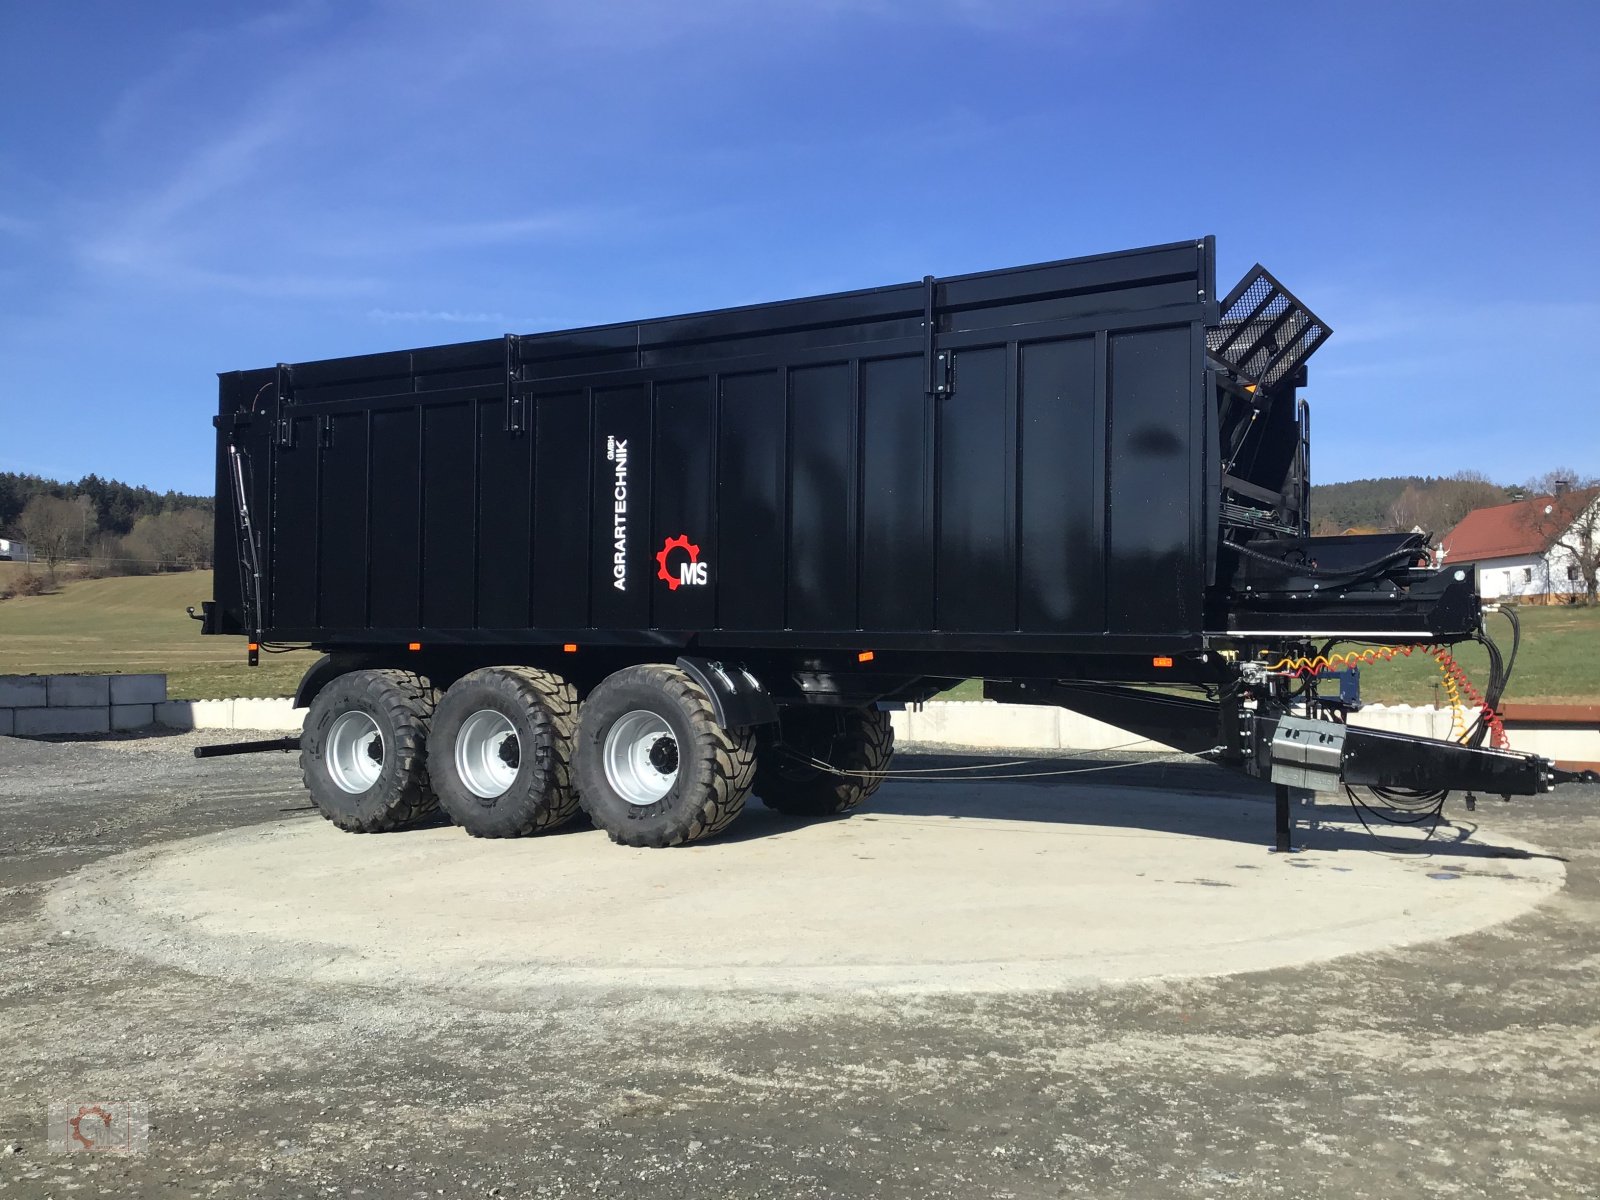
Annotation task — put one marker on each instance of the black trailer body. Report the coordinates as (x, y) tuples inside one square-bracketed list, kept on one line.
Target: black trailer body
[(1013, 462), (1085, 471)]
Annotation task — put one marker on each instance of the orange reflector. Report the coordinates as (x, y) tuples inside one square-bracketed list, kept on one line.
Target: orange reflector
[(866, 656), (1249, 387), (1161, 660), (571, 647), (414, 646), (253, 646)]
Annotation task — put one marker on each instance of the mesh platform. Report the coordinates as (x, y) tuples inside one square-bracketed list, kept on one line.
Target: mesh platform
[(1265, 333)]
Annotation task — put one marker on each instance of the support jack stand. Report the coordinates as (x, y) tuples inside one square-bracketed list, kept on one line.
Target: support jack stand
[(1281, 820)]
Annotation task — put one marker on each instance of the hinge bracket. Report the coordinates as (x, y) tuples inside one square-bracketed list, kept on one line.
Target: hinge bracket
[(284, 424), (516, 403), (939, 365)]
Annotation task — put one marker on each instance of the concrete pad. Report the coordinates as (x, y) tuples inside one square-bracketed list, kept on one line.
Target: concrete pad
[(138, 689), (132, 716), (23, 691), (78, 691), (33, 722), (939, 888)]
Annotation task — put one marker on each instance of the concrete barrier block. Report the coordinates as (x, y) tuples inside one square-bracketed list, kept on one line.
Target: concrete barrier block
[(1559, 744), (1016, 727), (196, 714), (6, 725), (982, 723), (1079, 732), (175, 714), (277, 714), (32, 722), (213, 714), (78, 691), (23, 691), (132, 716), (1421, 720), (138, 689)]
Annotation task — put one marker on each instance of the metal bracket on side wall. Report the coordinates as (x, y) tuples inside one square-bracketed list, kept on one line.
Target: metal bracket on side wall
[(284, 425), (738, 700), (1307, 754), (516, 403), (938, 365)]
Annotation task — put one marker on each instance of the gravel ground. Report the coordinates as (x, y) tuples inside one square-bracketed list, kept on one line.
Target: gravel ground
[(1468, 1067)]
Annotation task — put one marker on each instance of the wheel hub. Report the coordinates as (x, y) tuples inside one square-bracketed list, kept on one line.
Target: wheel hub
[(354, 752), (641, 757), (664, 755), (488, 754)]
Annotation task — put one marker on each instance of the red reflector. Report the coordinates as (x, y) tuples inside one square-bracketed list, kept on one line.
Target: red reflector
[(414, 646), (866, 656), (571, 647), (1161, 660)]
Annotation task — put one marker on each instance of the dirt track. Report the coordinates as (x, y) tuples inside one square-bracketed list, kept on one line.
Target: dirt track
[(1461, 1067)]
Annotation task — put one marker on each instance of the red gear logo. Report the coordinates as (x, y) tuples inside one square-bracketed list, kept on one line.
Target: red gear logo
[(88, 1110), (681, 542)]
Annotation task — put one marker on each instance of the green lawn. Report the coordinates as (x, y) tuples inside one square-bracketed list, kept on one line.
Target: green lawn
[(1559, 663), (138, 624)]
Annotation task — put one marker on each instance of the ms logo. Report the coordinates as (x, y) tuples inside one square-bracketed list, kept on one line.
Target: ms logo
[(690, 570)]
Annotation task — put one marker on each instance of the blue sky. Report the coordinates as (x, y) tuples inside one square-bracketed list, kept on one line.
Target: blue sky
[(187, 188)]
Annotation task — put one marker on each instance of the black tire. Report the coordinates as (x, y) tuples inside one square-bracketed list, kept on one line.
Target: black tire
[(859, 741), (542, 710), (398, 705), (713, 766)]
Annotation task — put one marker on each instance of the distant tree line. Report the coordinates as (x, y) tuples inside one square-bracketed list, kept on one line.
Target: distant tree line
[(1397, 503), (105, 527), (1432, 503), (1435, 504)]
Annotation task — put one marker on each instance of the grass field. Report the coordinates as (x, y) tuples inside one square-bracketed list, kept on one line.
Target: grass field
[(1559, 662), (138, 624)]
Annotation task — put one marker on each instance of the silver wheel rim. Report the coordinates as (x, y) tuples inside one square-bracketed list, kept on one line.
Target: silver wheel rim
[(488, 754), (355, 752), (641, 757)]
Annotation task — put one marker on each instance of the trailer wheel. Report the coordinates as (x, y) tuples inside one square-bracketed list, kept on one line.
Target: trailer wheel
[(501, 746), (654, 766), (363, 753), (858, 741)]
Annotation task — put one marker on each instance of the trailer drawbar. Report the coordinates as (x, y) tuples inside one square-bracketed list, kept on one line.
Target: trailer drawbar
[(655, 568)]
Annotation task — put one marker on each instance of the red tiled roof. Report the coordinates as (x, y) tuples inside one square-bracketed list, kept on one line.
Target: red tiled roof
[(1508, 530)]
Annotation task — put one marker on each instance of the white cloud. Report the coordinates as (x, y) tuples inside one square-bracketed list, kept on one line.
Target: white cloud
[(381, 234)]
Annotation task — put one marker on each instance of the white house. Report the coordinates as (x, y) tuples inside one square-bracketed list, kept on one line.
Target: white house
[(1517, 547), (12, 550)]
